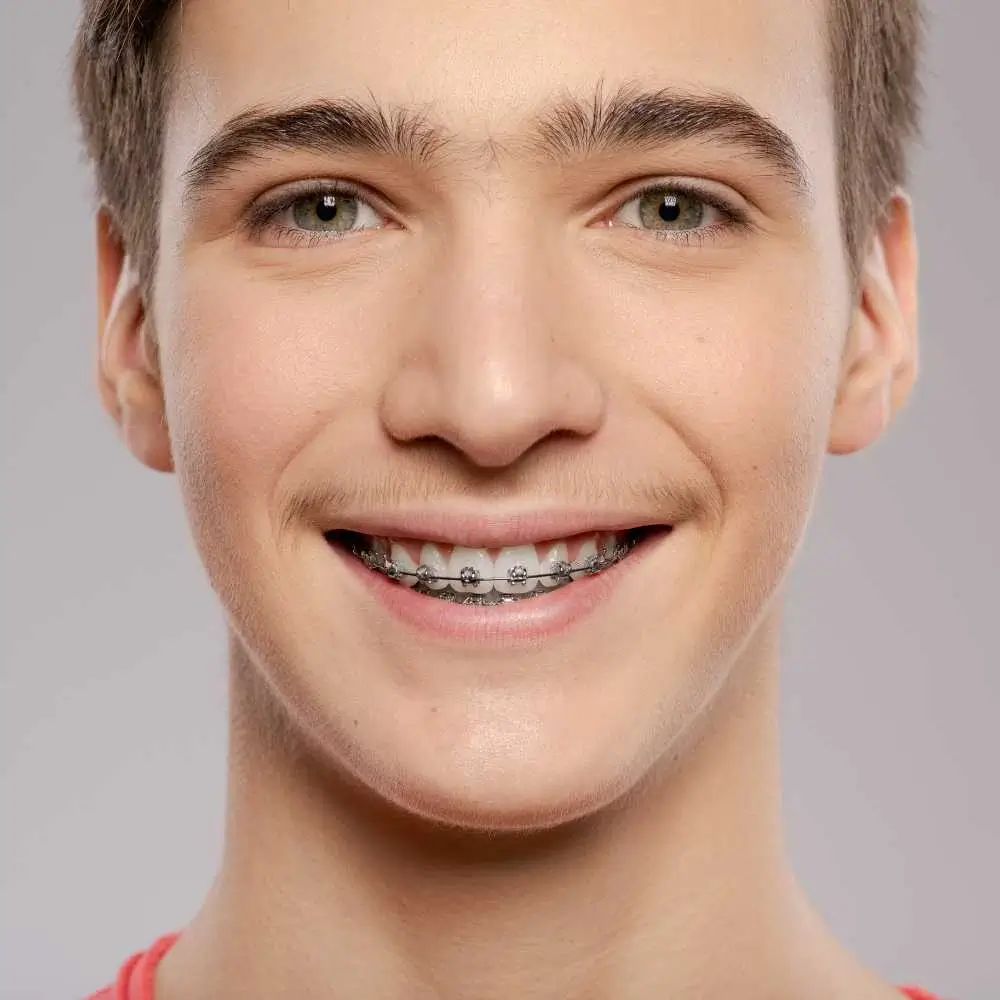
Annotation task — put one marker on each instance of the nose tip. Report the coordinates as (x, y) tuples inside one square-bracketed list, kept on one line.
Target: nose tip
[(499, 415)]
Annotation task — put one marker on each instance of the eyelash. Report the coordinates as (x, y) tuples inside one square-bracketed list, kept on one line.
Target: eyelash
[(263, 215)]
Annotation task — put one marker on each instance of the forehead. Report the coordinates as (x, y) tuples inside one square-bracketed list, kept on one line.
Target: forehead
[(482, 66)]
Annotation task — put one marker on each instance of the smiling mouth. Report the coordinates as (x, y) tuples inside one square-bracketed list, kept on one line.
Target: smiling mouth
[(486, 577)]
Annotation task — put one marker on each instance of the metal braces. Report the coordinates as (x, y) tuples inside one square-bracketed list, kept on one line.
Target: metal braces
[(517, 575)]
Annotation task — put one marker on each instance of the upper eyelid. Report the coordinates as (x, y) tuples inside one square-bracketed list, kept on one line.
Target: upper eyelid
[(268, 205)]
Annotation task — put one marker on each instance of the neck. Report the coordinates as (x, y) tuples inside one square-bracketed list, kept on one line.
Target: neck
[(682, 890)]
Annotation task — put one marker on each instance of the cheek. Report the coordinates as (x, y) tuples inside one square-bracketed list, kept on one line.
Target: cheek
[(255, 369), (744, 372), (258, 367)]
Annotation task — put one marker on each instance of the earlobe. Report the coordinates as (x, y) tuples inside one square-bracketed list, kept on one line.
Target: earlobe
[(129, 382), (880, 363)]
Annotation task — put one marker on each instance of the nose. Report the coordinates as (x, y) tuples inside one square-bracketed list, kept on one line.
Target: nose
[(494, 359)]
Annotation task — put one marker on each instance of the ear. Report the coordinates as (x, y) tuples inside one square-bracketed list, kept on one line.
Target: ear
[(881, 358), (128, 373)]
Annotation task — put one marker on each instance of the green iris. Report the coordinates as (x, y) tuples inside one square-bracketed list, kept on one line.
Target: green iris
[(671, 210), (326, 213)]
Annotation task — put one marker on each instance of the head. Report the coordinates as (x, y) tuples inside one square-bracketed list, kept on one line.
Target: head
[(476, 270)]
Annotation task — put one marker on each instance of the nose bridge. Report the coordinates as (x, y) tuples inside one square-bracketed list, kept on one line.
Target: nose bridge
[(493, 371), (490, 295)]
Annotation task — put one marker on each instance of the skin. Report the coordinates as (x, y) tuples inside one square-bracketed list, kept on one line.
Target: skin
[(597, 815)]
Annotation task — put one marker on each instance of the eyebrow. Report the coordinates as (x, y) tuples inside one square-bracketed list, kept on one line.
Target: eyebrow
[(567, 129)]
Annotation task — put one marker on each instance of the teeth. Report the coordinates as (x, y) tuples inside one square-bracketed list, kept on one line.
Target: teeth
[(511, 564), (476, 559), (516, 572), (587, 552), (553, 554), (430, 556), (402, 559)]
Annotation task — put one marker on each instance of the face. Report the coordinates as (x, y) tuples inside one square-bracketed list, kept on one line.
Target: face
[(490, 345)]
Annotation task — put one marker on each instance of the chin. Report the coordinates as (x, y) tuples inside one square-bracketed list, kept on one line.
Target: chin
[(500, 806), (530, 775)]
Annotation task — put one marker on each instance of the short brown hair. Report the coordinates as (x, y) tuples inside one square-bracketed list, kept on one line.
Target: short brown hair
[(121, 62)]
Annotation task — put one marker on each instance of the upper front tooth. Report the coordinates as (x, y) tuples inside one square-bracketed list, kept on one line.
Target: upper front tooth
[(430, 556), (524, 556), (477, 559)]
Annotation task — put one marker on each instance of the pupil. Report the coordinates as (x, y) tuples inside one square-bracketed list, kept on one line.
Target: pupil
[(670, 210), (327, 209)]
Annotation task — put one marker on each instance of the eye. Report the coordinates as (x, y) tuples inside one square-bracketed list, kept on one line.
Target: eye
[(313, 214), (677, 212)]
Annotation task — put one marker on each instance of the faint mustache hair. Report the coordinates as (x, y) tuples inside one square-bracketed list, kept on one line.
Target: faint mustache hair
[(426, 486)]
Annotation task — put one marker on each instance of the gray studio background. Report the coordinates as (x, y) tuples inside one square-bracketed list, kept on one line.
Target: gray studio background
[(112, 687)]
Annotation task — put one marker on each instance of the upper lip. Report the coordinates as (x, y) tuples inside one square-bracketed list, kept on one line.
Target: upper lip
[(491, 530)]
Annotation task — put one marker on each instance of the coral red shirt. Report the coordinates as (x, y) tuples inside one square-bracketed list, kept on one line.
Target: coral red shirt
[(135, 979)]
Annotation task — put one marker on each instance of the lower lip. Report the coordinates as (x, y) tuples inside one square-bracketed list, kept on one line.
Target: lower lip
[(501, 624)]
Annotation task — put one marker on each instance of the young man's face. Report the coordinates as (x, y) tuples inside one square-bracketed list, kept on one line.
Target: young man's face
[(504, 341)]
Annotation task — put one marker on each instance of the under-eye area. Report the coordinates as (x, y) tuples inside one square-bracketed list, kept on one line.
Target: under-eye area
[(484, 576)]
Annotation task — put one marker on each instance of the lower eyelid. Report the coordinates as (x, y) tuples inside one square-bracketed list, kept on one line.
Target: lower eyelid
[(304, 237)]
